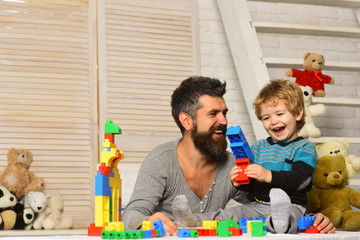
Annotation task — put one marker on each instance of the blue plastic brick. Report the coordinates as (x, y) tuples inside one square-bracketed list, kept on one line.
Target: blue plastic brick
[(305, 222), (239, 144), (183, 233), (159, 226), (102, 187)]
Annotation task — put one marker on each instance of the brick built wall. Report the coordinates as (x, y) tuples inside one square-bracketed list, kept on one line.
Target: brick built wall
[(216, 60)]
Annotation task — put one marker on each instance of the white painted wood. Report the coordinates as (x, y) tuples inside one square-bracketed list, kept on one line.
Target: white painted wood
[(339, 3), (274, 62), (246, 52), (48, 100), (306, 29)]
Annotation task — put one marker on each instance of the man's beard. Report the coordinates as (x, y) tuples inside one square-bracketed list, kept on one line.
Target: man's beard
[(205, 142)]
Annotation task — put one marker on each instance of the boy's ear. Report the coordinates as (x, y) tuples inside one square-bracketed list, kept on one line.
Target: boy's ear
[(186, 121), (299, 114)]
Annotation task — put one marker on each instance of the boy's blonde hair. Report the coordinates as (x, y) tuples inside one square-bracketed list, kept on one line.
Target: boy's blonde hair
[(285, 90)]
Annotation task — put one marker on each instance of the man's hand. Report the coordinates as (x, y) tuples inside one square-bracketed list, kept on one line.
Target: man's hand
[(169, 226), (323, 223)]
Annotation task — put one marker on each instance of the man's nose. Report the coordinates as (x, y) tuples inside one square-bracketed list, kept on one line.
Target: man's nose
[(222, 119)]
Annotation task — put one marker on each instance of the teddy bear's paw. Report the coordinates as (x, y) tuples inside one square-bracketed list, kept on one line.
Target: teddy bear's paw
[(351, 222), (28, 215), (356, 164), (11, 180)]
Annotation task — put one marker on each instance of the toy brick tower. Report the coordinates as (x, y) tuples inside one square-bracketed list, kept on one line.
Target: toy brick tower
[(107, 183), (241, 151)]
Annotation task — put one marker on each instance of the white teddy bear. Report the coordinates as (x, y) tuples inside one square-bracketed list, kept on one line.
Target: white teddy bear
[(37, 201), (54, 219), (309, 129), (336, 146)]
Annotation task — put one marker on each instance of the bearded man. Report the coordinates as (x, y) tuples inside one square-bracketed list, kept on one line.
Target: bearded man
[(197, 165)]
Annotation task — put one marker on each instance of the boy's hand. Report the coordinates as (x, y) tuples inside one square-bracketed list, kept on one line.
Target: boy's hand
[(233, 174), (259, 173)]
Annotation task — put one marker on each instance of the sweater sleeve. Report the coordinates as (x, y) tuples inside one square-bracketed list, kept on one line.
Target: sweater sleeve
[(297, 179), (148, 192)]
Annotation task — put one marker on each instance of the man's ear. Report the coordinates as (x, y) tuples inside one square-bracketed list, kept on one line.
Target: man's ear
[(186, 121)]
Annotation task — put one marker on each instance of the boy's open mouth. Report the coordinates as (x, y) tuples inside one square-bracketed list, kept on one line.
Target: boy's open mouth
[(279, 129)]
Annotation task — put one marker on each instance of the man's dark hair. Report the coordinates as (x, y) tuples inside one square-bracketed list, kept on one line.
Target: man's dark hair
[(185, 97)]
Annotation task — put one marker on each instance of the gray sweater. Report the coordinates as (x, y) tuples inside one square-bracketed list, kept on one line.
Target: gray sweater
[(160, 180)]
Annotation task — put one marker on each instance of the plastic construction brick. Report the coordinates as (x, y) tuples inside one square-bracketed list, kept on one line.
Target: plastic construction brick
[(311, 230), (146, 225), (235, 231), (258, 229), (209, 224), (305, 222), (242, 178), (110, 127), (158, 225), (238, 143), (183, 233), (102, 187), (222, 229), (232, 223), (94, 231)]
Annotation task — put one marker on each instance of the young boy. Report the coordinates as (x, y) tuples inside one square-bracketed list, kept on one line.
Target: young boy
[(284, 163)]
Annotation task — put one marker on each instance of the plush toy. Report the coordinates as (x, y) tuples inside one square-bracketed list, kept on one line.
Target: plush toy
[(331, 197), (312, 75), (37, 201), (7, 214), (315, 110), (336, 146), (54, 218), (12, 212), (17, 177)]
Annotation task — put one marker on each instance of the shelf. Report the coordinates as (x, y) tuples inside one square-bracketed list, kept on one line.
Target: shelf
[(325, 139), (337, 3), (306, 29), (337, 101), (274, 62)]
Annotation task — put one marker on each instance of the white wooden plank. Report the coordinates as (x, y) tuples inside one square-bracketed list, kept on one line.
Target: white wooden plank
[(246, 52), (338, 3), (275, 62), (306, 29)]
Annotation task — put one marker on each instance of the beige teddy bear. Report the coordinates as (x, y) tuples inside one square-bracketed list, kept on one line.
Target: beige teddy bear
[(312, 75), (54, 218), (17, 177), (340, 147)]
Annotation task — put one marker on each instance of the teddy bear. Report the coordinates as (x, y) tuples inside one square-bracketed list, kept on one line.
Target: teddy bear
[(315, 110), (337, 146), (17, 177), (312, 75), (331, 197), (54, 218), (37, 201), (12, 212)]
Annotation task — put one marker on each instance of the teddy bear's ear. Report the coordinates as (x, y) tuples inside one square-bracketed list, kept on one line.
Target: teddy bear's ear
[(306, 55), (346, 143), (322, 58), (12, 151)]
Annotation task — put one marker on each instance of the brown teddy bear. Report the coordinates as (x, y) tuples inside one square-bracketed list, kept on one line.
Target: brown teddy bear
[(312, 76), (17, 177), (331, 197)]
